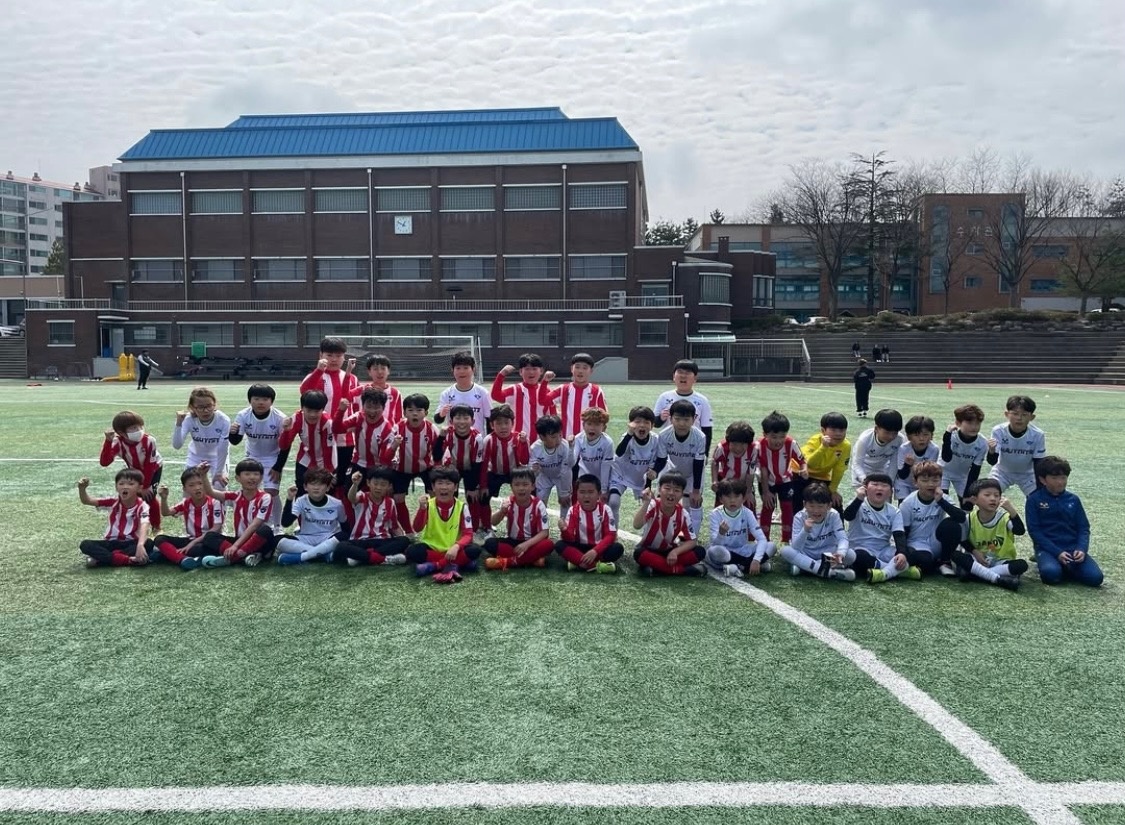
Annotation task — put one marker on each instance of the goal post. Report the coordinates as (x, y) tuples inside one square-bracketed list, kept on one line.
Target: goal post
[(755, 358), (413, 356)]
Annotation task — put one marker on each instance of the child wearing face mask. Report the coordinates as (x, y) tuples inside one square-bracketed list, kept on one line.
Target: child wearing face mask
[(128, 440)]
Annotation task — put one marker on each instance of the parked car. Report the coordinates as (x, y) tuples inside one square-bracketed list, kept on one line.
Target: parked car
[(11, 332), (816, 319)]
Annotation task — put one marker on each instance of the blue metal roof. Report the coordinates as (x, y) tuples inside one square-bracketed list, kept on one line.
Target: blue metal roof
[(397, 118), (591, 134)]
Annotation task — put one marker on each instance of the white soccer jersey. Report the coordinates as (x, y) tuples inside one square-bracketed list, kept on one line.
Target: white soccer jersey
[(920, 520), (201, 518), (588, 527), (681, 455), (124, 523), (374, 520), (1018, 454), (872, 529), (698, 400), (525, 521), (906, 486), (742, 529), (955, 472), (261, 434), (593, 457), (629, 469), (827, 536), (208, 442), (476, 397), (552, 468), (318, 522), (869, 456)]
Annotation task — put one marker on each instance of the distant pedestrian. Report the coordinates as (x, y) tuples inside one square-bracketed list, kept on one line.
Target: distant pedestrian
[(862, 378), (885, 352), (855, 350), (876, 354), (144, 369)]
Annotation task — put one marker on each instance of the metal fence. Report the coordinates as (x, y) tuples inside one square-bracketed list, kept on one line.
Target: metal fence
[(523, 306)]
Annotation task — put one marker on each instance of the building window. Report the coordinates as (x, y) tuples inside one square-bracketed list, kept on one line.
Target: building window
[(602, 334), (12, 238), (714, 288), (58, 225), (532, 268), (652, 333), (528, 335), (279, 269), (976, 214), (468, 269), (792, 255), (597, 267), (229, 270), (974, 249), (213, 335), (315, 331), (482, 332), (166, 271), (12, 205), (155, 203), (972, 281), (1052, 251), (37, 204), (738, 245), (33, 236), (403, 199), (37, 221), (468, 198), (278, 201), (396, 335), (341, 200), (38, 253), (342, 269), (789, 289), (655, 293), (598, 196), (1044, 284), (60, 333), (404, 269), (153, 335), (268, 335), (517, 198), (216, 203)]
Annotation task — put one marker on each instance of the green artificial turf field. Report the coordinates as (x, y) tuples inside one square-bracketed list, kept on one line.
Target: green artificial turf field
[(156, 677)]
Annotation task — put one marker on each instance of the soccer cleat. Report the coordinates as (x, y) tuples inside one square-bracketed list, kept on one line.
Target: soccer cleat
[(1008, 582), (964, 563), (876, 576), (913, 573), (91, 562), (823, 568), (794, 570), (695, 570), (498, 563), (479, 537), (471, 567), (733, 571), (843, 574), (540, 562), (253, 560), (571, 567), (645, 571), (606, 567), (353, 562), (947, 569), (330, 557), (154, 555), (444, 577), (393, 559), (286, 558), (426, 568), (1017, 567), (190, 563), (456, 574), (765, 566), (215, 561)]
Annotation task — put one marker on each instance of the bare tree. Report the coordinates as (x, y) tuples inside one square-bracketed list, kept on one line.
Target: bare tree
[(899, 232), (945, 247), (874, 179), (980, 172), (824, 203), (1095, 263)]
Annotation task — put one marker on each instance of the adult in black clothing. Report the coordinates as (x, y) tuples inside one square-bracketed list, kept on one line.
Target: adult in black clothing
[(862, 378), (876, 354), (144, 369), (855, 350)]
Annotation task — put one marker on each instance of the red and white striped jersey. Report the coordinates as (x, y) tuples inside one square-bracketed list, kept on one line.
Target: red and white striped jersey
[(374, 520), (731, 467), (462, 452), (318, 441), (529, 403), (371, 438), (392, 411), (502, 455), (416, 453), (247, 510), (572, 401), (663, 531), (336, 384), (200, 518), (588, 527), (775, 463), (124, 522), (525, 521), (141, 455)]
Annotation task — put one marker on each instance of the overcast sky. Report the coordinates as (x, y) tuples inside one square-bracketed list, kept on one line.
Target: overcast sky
[(720, 96)]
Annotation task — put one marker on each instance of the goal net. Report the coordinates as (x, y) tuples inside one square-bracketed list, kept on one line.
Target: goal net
[(414, 356), (753, 358)]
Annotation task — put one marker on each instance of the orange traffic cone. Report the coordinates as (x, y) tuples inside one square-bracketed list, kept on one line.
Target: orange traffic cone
[(949, 383)]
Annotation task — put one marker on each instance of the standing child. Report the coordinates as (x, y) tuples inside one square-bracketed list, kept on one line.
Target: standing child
[(875, 450), (1059, 528), (932, 522), (376, 537), (202, 515), (464, 392), (261, 425), (316, 430), (331, 379), (988, 541), (736, 459), (462, 446), (738, 545), (828, 453), (681, 448), (592, 450), (684, 376), (504, 450), (370, 427), (443, 544), (666, 544), (137, 449), (634, 459), (253, 537), (963, 450), (550, 461), (579, 395), (526, 542), (862, 379), (777, 455), (319, 516), (876, 534), (411, 450), (379, 370), (531, 398), (589, 534), (820, 545), (919, 446), (208, 428), (126, 539), (1017, 446)]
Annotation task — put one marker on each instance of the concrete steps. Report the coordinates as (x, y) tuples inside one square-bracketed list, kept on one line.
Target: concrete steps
[(13, 358)]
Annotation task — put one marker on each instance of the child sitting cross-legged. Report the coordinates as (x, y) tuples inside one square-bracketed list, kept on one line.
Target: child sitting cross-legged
[(666, 544), (253, 538), (738, 544), (444, 532), (376, 537), (202, 515), (126, 539), (876, 533), (589, 534), (526, 543), (988, 546), (820, 545), (319, 515)]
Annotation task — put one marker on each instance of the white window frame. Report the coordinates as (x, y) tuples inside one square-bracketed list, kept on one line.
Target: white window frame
[(316, 268), (557, 258), (254, 270), (499, 344), (314, 340), (57, 344), (664, 321), (241, 206), (702, 301), (623, 276), (618, 325), (241, 274), (444, 258), (508, 186), (363, 211), (574, 186), (254, 211), (183, 272), (441, 197), (177, 192), (187, 342), (382, 280), (378, 189), (245, 324)]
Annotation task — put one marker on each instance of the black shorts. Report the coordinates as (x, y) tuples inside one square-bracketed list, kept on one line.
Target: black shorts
[(402, 481), (496, 481)]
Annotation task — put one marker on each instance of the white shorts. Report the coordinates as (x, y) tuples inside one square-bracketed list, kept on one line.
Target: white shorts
[(544, 485), (621, 484), (1025, 481)]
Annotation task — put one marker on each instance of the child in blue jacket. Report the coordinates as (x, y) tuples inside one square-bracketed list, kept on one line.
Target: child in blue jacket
[(1059, 528)]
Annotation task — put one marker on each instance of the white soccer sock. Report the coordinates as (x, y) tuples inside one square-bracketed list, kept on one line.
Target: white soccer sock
[(275, 510), (614, 503), (796, 557), (695, 514), (889, 569), (989, 574)]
